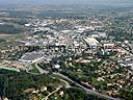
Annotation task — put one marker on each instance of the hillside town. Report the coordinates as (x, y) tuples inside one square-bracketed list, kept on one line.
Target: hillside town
[(69, 55)]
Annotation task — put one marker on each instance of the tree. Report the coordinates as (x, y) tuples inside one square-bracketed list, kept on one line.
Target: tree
[(3, 85)]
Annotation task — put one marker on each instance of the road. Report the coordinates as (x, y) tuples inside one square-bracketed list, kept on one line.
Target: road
[(46, 98), (42, 71), (88, 91), (9, 68), (67, 85)]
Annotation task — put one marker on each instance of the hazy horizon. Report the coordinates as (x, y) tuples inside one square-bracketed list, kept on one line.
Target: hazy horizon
[(60, 2)]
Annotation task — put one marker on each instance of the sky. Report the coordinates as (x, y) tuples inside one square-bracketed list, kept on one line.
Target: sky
[(108, 2)]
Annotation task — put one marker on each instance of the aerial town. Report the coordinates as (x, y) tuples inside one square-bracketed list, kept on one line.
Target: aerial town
[(82, 58)]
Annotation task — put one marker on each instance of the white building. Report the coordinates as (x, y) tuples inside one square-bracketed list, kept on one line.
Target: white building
[(92, 42)]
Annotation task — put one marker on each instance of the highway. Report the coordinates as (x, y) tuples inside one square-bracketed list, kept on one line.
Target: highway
[(88, 91)]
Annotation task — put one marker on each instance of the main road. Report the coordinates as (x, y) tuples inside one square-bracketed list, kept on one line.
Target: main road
[(88, 91)]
